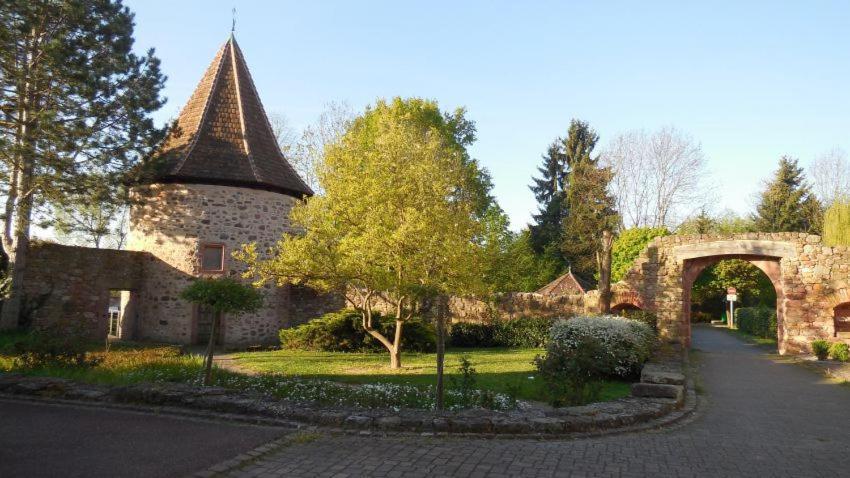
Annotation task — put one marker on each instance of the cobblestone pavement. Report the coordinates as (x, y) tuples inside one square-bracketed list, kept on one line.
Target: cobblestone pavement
[(757, 417)]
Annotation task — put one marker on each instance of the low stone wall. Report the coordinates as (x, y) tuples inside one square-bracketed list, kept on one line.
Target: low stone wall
[(73, 283), (597, 417), (512, 306)]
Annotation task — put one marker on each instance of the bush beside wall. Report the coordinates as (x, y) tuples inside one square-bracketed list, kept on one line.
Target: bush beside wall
[(757, 321), (523, 332), (342, 332)]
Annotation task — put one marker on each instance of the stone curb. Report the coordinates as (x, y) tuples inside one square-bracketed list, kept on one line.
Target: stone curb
[(676, 418), (649, 402), (588, 418)]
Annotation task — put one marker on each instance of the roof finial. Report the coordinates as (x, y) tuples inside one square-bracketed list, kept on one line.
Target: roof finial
[(233, 24)]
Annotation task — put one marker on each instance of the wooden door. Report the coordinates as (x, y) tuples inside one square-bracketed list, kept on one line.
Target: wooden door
[(204, 324)]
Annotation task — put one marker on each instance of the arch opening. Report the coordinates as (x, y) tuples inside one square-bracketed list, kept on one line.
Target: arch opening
[(623, 308), (704, 282)]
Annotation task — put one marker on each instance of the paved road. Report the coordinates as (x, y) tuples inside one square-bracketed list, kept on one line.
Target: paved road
[(757, 418), (39, 440)]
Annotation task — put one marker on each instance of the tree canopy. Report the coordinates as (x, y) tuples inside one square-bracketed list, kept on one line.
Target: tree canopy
[(589, 205), (787, 203), (76, 103), (836, 223), (399, 218)]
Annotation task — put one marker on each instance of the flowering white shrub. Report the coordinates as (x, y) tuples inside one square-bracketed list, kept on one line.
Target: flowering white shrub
[(625, 344)]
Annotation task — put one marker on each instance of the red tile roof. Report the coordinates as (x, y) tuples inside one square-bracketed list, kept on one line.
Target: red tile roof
[(223, 135), (568, 283)]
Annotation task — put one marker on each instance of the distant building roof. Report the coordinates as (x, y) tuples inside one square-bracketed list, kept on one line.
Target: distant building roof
[(223, 135), (568, 283)]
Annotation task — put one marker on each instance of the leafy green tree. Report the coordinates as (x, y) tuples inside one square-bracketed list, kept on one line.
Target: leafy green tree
[(221, 296), (628, 246), (97, 218), (754, 287), (702, 223), (836, 223), (787, 203), (397, 222), (520, 269), (589, 205), (74, 108), (726, 223)]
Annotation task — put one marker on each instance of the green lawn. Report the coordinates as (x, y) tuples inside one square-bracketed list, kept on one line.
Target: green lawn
[(499, 370), (506, 371)]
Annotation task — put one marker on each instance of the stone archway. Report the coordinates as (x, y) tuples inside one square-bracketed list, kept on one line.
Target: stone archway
[(692, 268), (804, 273)]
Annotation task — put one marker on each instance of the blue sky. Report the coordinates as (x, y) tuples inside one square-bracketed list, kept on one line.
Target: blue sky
[(750, 82)]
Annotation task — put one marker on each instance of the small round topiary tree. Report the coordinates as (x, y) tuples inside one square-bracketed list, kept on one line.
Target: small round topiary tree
[(221, 295)]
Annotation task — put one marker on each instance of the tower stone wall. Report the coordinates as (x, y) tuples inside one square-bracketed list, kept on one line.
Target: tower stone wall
[(172, 222)]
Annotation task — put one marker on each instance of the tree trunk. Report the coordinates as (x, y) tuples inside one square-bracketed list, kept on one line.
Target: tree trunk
[(441, 351), (19, 203), (395, 353), (604, 262), (208, 361), (11, 312)]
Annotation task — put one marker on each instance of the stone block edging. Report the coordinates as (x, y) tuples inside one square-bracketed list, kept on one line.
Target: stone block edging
[(621, 414)]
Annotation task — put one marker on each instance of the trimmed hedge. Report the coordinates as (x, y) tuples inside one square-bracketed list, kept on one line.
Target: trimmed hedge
[(523, 332), (757, 321), (342, 332)]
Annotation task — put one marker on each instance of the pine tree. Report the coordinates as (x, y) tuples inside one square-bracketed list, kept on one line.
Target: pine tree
[(589, 205), (74, 109), (787, 203), (550, 191)]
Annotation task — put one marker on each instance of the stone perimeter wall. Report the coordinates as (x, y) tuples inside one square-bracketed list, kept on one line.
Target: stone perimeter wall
[(520, 304), (69, 283), (810, 280), (172, 222)]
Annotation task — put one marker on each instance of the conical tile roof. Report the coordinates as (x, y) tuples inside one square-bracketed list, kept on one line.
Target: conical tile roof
[(223, 135)]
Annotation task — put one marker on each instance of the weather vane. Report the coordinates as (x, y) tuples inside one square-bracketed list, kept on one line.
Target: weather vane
[(233, 24)]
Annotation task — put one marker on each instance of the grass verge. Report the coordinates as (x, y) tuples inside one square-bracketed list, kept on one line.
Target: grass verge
[(323, 377), (499, 370)]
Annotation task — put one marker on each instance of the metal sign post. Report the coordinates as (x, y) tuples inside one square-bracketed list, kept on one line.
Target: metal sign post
[(731, 297)]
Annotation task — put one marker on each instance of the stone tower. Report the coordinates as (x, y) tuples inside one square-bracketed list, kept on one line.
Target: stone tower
[(221, 182)]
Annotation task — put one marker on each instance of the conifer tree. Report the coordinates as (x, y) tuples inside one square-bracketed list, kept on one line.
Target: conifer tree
[(74, 109), (787, 203), (550, 190), (589, 205)]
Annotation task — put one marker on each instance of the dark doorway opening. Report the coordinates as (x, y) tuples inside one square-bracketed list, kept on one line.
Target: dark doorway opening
[(204, 319)]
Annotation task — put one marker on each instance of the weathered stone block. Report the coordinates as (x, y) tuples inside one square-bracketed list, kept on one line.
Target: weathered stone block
[(657, 390), (655, 374)]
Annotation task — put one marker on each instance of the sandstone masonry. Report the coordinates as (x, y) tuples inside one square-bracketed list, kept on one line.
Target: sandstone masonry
[(172, 222)]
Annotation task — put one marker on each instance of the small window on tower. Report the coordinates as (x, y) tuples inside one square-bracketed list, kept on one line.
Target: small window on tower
[(212, 258)]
